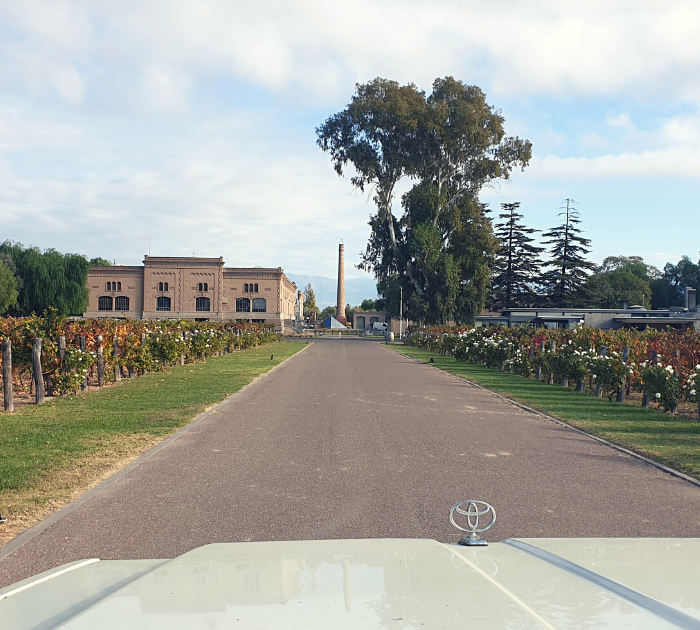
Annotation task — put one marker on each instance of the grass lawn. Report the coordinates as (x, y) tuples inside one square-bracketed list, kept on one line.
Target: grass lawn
[(663, 437), (54, 452)]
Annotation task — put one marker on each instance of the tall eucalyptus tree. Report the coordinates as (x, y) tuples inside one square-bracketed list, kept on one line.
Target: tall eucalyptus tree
[(452, 144)]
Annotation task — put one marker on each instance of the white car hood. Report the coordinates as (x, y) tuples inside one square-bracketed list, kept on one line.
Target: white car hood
[(385, 583)]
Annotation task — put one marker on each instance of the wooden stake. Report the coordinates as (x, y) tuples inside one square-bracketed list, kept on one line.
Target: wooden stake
[(115, 356), (8, 397), (83, 348), (38, 375), (100, 360)]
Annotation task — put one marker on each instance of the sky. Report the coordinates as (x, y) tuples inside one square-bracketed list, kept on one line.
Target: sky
[(194, 122)]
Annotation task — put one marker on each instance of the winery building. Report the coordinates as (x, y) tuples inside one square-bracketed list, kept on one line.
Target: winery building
[(194, 288)]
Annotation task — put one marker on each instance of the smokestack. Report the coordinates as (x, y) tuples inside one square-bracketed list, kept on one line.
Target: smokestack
[(340, 312)]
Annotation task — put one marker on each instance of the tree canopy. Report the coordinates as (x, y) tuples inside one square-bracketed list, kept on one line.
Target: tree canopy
[(517, 263), (452, 144), (310, 305), (49, 279), (8, 288), (100, 262), (567, 266)]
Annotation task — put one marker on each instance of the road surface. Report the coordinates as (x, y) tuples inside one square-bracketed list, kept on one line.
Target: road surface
[(351, 440)]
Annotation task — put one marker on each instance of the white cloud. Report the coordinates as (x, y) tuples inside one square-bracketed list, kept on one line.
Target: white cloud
[(544, 47), (662, 163), (622, 121)]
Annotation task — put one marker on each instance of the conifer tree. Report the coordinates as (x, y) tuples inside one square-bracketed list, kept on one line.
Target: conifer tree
[(517, 263), (567, 268)]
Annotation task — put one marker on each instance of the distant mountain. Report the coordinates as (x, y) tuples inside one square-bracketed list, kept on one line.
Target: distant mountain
[(356, 289)]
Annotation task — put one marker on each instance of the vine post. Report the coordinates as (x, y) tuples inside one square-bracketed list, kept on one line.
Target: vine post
[(645, 396), (552, 349), (8, 397), (538, 368), (38, 376), (62, 353), (115, 355), (599, 386), (82, 340), (100, 360), (625, 360), (143, 343)]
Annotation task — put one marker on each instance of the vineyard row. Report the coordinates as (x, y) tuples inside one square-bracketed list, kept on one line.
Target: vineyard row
[(61, 355), (663, 365)]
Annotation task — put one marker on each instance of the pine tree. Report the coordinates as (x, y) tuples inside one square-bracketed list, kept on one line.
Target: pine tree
[(568, 268), (517, 262)]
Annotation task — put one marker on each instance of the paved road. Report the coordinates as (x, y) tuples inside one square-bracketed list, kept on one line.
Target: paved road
[(350, 440)]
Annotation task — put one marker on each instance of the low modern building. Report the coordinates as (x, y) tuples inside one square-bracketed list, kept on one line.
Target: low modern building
[(681, 318), (194, 288)]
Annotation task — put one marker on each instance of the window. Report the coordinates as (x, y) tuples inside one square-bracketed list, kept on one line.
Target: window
[(202, 304), (163, 304), (202, 287), (121, 303), (119, 286), (245, 288), (259, 305), (373, 320), (160, 286), (104, 302), (256, 287), (242, 305), (206, 287), (360, 322), (166, 287)]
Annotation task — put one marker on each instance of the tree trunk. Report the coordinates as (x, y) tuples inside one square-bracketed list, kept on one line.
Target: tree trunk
[(8, 396)]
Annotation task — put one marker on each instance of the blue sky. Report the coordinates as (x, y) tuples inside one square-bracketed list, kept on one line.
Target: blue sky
[(195, 121)]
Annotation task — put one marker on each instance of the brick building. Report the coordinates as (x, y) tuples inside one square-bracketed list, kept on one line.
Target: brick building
[(194, 288)]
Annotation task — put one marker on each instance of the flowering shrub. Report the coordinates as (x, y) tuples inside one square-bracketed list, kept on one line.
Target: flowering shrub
[(75, 368), (661, 385), (692, 386)]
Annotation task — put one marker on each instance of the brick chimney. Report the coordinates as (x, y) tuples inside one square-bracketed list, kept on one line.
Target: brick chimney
[(340, 312)]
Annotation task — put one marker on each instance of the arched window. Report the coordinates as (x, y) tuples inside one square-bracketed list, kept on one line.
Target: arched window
[(202, 304), (259, 305), (242, 305), (164, 285), (206, 287), (109, 286), (200, 287), (245, 288), (256, 287), (121, 303), (163, 304), (119, 286), (104, 303), (160, 286)]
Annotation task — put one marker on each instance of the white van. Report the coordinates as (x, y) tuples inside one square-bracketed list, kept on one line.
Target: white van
[(379, 326)]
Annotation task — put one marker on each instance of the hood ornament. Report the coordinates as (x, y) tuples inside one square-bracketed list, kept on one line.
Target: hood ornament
[(477, 513)]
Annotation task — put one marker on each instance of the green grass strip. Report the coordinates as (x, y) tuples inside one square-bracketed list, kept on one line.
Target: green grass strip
[(659, 436), (43, 447)]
